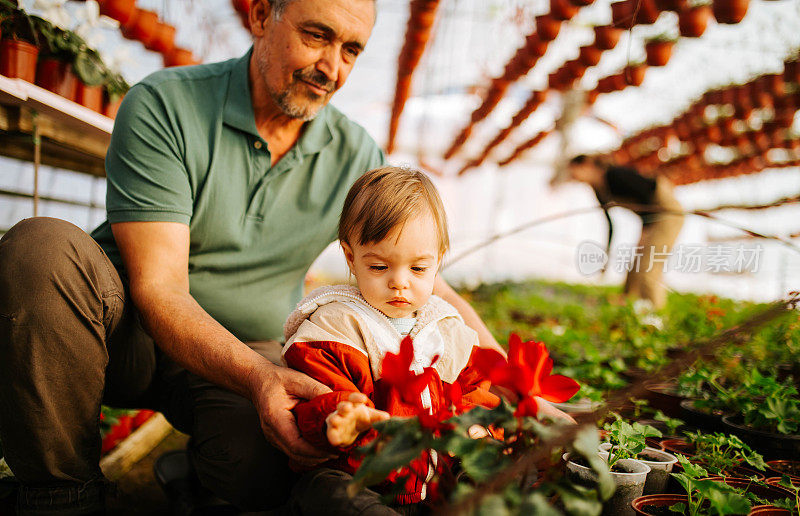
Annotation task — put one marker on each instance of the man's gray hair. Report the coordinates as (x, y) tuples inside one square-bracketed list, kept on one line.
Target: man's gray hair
[(278, 6)]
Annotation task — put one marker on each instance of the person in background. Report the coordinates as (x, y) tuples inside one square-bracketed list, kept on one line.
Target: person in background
[(654, 201)]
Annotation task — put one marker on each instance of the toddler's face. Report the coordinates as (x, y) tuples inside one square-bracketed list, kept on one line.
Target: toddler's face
[(396, 275)]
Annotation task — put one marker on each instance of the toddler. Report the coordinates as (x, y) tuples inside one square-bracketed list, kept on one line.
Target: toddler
[(393, 232)]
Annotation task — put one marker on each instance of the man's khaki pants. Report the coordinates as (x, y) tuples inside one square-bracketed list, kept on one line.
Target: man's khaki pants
[(645, 279), (71, 339)]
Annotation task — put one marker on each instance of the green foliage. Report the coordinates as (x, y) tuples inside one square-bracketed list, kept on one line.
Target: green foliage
[(721, 498), (627, 440), (720, 453), (671, 423)]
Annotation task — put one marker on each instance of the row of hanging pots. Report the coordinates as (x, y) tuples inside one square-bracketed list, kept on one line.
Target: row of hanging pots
[(764, 91), (548, 27), (529, 144), (144, 26), (418, 30)]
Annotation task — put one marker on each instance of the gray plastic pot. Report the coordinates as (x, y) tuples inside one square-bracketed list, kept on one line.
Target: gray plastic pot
[(660, 463), (629, 484)]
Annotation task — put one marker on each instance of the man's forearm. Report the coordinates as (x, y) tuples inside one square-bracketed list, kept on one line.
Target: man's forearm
[(193, 339), (470, 316)]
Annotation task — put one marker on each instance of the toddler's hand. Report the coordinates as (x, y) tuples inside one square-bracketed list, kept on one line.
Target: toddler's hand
[(351, 418)]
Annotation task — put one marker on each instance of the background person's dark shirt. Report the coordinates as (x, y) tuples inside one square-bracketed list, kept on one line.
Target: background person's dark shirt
[(625, 185)]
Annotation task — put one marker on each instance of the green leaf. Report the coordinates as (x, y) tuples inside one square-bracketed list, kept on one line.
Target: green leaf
[(580, 501), (585, 445), (679, 507), (399, 451), (493, 505), (536, 503)]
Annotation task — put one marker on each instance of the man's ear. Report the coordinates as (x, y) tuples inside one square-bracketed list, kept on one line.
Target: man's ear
[(348, 256), (260, 12)]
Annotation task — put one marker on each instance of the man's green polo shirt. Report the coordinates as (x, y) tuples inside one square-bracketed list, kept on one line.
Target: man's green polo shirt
[(185, 149)]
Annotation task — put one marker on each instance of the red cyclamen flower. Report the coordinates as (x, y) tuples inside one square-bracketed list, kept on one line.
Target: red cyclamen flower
[(396, 371), (527, 373)]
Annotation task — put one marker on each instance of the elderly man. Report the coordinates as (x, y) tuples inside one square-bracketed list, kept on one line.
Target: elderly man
[(225, 181)]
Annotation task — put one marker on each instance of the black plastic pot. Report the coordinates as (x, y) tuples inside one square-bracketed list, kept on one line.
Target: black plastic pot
[(771, 445), (663, 396), (710, 421)]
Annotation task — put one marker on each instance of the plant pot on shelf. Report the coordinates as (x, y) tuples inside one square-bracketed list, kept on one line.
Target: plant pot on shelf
[(90, 96), (769, 444), (57, 76), (730, 11), (692, 22), (765, 492), (656, 504), (110, 107), (658, 52), (18, 59), (547, 27), (606, 37), (629, 481)]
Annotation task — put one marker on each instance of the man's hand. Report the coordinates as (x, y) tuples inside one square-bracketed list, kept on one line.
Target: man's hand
[(275, 392), (351, 418)]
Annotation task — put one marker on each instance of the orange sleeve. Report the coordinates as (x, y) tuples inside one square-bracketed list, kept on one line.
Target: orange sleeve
[(342, 368)]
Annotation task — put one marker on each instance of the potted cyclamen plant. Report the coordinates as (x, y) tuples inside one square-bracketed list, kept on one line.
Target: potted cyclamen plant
[(19, 47), (513, 430)]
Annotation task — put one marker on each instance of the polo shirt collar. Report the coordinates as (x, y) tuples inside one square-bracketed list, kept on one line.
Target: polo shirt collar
[(238, 111)]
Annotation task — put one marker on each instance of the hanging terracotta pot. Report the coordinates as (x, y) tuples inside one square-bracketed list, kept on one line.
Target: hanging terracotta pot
[(179, 57), (55, 75), (142, 26), (618, 82), (730, 11), (760, 141), (622, 14), (773, 84), (791, 71), (606, 37), (575, 68), (563, 9), (164, 39), (605, 85), (693, 21), (547, 27), (712, 97), (591, 96), (713, 133), (120, 10), (671, 5), (590, 55), (658, 52), (634, 75), (18, 59), (728, 95), (535, 45), (646, 12), (90, 96)]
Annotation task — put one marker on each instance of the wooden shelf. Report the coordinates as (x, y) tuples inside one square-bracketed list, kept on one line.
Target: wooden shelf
[(72, 136)]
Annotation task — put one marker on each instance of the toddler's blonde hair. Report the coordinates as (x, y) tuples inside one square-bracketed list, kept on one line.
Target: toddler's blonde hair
[(385, 198)]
